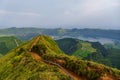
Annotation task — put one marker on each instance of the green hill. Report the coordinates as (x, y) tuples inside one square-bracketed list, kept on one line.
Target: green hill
[(115, 45), (7, 43), (114, 53), (114, 56), (20, 65), (93, 51), (76, 47), (41, 59), (1, 55)]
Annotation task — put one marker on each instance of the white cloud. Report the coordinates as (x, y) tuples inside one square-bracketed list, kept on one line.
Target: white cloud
[(96, 7), (3, 12), (116, 4)]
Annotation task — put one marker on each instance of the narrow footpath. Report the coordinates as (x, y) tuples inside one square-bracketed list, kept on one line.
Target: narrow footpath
[(38, 58)]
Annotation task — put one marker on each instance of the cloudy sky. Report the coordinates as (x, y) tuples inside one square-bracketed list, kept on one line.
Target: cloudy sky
[(60, 13)]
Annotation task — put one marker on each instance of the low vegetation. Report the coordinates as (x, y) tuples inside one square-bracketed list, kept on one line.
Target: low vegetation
[(24, 67), (19, 64), (8, 43), (90, 70), (85, 50)]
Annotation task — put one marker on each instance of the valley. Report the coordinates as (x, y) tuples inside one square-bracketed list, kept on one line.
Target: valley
[(59, 39)]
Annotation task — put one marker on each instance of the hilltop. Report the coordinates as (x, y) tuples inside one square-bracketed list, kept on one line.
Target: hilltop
[(41, 58)]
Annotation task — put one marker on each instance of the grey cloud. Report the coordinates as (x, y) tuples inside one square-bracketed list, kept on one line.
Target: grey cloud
[(56, 13)]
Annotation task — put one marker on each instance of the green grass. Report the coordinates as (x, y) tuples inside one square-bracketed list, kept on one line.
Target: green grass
[(50, 44), (81, 53), (114, 57), (1, 55), (88, 69), (19, 65), (23, 67), (85, 50), (87, 46), (7, 43)]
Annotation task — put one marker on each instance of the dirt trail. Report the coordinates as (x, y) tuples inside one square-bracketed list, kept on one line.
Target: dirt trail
[(108, 77), (69, 73), (38, 58), (16, 43), (35, 42)]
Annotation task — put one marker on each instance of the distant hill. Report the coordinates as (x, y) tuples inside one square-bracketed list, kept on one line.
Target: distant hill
[(115, 44), (28, 33), (93, 51), (114, 53), (8, 43), (114, 56), (41, 59)]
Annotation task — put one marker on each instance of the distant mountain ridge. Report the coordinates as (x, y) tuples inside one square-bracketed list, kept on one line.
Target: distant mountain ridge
[(28, 33)]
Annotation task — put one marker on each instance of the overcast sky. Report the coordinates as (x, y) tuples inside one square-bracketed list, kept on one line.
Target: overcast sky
[(60, 13)]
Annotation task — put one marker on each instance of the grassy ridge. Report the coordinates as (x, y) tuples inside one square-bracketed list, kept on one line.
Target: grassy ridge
[(24, 67), (90, 70), (18, 63), (21, 66)]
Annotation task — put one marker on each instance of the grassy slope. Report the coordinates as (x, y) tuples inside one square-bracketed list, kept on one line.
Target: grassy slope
[(114, 56), (86, 69), (1, 55), (7, 43), (24, 67), (50, 44), (20, 65), (76, 47), (85, 50), (81, 48), (93, 51), (114, 53)]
